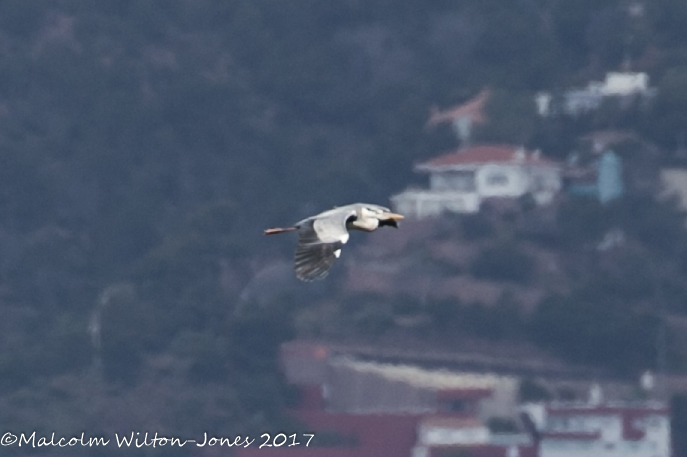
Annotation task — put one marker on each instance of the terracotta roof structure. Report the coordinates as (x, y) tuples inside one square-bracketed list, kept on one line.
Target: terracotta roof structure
[(482, 154), (451, 422), (473, 108)]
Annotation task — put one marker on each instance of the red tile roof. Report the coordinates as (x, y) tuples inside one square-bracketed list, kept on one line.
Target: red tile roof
[(484, 154), (451, 421)]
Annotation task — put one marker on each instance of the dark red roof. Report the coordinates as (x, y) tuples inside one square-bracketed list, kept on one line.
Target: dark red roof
[(450, 421), (485, 154), (312, 398), (378, 435)]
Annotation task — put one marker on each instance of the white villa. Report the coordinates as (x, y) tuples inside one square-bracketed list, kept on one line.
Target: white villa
[(578, 101), (619, 429), (460, 181)]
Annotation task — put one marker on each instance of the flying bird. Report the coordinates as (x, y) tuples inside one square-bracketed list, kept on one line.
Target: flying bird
[(321, 237)]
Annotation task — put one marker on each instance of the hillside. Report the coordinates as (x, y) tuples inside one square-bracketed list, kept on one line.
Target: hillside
[(554, 286), (145, 145)]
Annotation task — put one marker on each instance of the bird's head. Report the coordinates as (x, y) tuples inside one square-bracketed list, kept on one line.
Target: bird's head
[(383, 215)]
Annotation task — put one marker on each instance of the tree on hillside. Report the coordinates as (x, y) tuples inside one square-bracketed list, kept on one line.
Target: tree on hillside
[(511, 118)]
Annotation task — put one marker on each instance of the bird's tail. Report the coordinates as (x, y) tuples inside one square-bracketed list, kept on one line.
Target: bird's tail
[(272, 231)]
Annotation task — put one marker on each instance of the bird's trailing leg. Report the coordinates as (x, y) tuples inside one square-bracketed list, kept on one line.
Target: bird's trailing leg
[(272, 231)]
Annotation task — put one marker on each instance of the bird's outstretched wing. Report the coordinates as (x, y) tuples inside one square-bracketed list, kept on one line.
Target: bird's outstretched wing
[(319, 243)]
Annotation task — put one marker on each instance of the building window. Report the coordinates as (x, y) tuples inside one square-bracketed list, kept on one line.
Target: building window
[(455, 406), (497, 179), (453, 181)]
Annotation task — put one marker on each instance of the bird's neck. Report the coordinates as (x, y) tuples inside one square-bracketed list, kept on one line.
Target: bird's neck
[(366, 225)]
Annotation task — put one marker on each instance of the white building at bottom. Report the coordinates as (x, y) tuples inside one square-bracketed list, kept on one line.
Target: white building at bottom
[(617, 429), (440, 436)]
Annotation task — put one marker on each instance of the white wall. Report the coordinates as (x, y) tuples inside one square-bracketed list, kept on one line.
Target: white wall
[(462, 190), (655, 443), (449, 436), (513, 181), (462, 181), (611, 427), (625, 83), (420, 204), (576, 448)]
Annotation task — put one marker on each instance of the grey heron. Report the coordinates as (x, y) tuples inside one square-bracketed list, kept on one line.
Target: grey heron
[(321, 237)]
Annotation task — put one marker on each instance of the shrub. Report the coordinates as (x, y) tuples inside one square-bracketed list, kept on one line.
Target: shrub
[(592, 327), (476, 226), (503, 263), (532, 391)]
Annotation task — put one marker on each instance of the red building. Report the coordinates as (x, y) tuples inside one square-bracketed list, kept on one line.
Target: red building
[(385, 410)]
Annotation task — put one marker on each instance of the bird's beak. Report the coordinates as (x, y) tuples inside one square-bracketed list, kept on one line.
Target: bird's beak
[(390, 219)]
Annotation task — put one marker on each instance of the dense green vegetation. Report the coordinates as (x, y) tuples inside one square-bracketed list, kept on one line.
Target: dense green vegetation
[(145, 144)]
